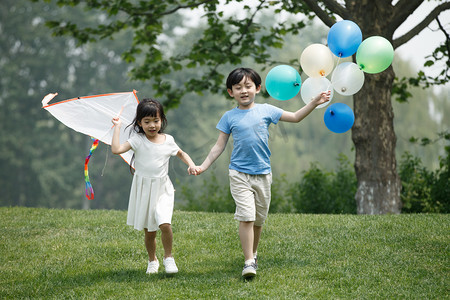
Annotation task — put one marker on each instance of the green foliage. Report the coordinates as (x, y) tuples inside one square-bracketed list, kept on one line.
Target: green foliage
[(42, 160), (326, 192), (79, 254), (317, 192), (423, 190), (222, 39), (214, 196)]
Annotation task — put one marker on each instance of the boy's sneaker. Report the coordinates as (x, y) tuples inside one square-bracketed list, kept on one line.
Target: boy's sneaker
[(249, 270), (170, 266), (153, 267)]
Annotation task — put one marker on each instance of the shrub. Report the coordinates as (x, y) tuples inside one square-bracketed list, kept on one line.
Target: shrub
[(213, 197), (425, 191), (326, 192)]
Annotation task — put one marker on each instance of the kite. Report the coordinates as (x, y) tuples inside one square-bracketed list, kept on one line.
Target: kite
[(92, 115)]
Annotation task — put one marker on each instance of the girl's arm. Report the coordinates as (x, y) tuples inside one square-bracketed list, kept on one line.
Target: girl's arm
[(188, 161), (215, 152), (300, 114), (116, 147)]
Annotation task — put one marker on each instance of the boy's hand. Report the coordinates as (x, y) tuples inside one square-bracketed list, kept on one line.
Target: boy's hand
[(192, 171), (322, 98), (196, 170)]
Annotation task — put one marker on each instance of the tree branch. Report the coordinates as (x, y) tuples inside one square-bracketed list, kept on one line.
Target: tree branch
[(401, 11), (422, 25), (337, 8), (168, 12), (322, 14)]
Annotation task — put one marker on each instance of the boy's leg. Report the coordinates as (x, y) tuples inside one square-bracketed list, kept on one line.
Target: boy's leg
[(246, 236), (150, 244), (166, 239), (256, 236)]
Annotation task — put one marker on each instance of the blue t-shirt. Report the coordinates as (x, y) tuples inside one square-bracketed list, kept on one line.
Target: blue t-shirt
[(250, 130)]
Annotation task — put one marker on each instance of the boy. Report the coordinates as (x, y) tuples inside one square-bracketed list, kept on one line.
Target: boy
[(250, 171)]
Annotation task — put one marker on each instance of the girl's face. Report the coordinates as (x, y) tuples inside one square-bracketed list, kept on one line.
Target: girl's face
[(244, 92), (151, 126)]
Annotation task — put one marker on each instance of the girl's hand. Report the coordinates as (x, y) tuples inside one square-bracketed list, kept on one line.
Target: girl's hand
[(322, 98), (192, 170), (199, 170), (116, 121)]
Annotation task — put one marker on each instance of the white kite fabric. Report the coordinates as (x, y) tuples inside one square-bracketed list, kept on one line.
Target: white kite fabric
[(92, 115)]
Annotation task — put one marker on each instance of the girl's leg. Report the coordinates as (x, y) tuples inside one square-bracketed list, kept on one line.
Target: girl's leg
[(150, 244), (246, 235), (167, 239)]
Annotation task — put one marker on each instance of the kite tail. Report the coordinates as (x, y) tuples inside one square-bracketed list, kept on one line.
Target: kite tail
[(89, 189)]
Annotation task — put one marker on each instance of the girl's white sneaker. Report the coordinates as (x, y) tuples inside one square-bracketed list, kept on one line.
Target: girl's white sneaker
[(153, 267), (170, 266)]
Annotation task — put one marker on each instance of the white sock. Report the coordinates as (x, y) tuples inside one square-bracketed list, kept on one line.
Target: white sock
[(255, 254), (250, 261)]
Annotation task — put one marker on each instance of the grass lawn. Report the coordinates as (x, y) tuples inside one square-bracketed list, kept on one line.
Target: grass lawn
[(57, 254)]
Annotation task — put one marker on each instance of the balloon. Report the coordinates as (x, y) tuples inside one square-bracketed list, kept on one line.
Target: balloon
[(375, 54), (313, 87), (317, 60), (347, 78), (344, 38), (283, 82), (339, 117)]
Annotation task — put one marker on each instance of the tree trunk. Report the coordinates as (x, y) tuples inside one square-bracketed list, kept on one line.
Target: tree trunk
[(374, 138)]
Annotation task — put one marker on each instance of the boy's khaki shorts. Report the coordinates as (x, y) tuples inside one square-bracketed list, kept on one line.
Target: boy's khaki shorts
[(251, 193)]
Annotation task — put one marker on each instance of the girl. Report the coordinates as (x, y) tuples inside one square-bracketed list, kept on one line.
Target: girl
[(152, 194)]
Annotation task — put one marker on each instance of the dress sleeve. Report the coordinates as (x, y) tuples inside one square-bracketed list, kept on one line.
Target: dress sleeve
[(135, 140), (172, 146)]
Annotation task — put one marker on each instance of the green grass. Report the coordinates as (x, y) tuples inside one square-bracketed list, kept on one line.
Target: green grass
[(56, 254)]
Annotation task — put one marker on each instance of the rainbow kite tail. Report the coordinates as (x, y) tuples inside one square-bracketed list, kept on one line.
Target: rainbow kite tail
[(89, 189)]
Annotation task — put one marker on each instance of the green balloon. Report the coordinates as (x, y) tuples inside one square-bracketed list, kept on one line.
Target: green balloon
[(375, 54)]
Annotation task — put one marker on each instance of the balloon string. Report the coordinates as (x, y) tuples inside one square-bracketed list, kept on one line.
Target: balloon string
[(89, 189), (332, 74)]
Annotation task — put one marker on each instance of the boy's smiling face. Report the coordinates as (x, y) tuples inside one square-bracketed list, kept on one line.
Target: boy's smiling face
[(244, 92)]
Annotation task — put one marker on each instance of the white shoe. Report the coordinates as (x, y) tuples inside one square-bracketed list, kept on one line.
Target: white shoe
[(249, 270), (153, 267), (170, 266)]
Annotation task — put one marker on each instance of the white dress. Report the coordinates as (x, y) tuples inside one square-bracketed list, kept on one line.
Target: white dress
[(152, 193)]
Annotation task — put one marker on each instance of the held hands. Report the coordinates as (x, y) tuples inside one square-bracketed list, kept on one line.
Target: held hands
[(195, 170)]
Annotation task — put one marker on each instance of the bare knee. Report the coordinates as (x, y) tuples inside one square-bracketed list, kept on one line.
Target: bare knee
[(165, 227), (149, 234)]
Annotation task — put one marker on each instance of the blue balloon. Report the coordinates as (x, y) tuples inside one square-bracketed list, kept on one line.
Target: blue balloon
[(344, 38), (283, 82), (339, 117)]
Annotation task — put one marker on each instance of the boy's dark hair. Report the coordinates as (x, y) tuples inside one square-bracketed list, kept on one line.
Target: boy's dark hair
[(237, 74)]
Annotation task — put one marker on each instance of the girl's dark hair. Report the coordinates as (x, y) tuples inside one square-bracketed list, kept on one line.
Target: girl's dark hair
[(149, 108), (237, 74)]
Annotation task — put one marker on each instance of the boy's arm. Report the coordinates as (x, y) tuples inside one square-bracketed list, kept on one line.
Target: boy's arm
[(116, 147), (215, 152), (300, 114), (188, 161)]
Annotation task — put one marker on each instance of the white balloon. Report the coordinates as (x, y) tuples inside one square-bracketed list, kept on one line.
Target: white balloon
[(313, 86), (317, 60), (347, 78)]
